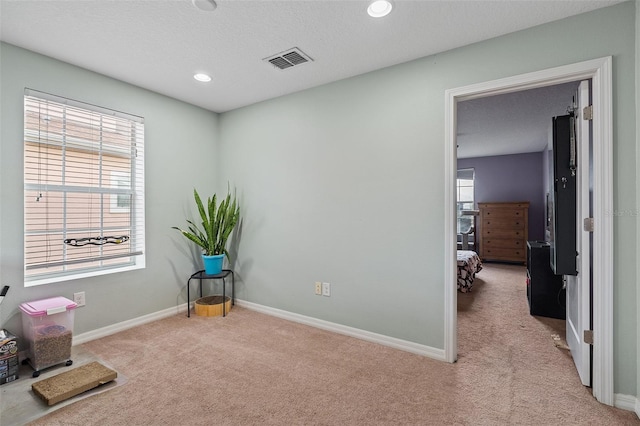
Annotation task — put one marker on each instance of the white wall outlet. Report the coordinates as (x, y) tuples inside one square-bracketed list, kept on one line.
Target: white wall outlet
[(326, 289), (79, 298), (318, 288)]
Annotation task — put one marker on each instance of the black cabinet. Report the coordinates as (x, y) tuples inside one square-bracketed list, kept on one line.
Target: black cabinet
[(544, 289)]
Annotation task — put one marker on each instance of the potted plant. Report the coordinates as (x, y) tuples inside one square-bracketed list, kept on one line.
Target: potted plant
[(218, 220)]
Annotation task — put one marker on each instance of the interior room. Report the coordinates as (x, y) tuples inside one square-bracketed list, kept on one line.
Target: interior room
[(502, 155), (503, 150), (338, 133)]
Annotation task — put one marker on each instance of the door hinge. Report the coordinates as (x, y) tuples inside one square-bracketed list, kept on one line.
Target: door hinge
[(588, 337), (588, 224), (587, 113)]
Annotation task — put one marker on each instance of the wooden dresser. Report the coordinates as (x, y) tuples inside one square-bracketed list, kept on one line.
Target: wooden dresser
[(504, 228)]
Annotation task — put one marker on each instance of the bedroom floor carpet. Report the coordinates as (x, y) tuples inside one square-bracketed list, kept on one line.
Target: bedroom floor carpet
[(253, 369)]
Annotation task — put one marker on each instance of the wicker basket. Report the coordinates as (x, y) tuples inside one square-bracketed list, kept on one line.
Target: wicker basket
[(212, 306)]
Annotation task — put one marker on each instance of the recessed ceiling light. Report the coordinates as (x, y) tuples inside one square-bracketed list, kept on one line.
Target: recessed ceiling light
[(379, 8), (202, 77), (206, 5)]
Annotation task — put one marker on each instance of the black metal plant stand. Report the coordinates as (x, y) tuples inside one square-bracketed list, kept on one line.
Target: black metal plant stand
[(201, 275)]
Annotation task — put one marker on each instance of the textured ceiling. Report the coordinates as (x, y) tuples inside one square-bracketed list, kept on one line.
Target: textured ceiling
[(160, 44), (512, 123)]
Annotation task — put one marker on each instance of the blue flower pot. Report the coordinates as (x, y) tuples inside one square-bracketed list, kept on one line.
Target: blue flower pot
[(213, 264)]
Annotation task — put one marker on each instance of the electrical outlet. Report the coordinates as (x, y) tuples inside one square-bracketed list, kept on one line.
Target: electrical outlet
[(326, 289), (318, 288), (79, 298)]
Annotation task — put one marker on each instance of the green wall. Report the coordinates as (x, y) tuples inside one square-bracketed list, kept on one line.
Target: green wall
[(344, 183), (180, 150)]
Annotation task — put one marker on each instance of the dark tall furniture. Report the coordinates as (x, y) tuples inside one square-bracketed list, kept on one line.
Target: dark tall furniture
[(544, 289), (563, 200)]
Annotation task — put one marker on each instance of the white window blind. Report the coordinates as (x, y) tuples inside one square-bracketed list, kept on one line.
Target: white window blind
[(465, 198), (465, 185), (83, 189)]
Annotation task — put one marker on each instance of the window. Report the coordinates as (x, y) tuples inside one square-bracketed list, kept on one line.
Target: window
[(465, 198), (83, 189), (120, 202)]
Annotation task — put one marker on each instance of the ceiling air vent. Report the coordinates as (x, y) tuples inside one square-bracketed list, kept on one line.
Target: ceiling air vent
[(288, 58)]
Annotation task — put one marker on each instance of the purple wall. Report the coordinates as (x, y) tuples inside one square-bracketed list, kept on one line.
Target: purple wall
[(516, 177)]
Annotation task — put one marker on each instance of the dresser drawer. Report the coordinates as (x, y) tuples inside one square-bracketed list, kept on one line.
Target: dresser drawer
[(503, 213), (503, 223), (508, 243), (515, 255), (504, 206), (503, 233)]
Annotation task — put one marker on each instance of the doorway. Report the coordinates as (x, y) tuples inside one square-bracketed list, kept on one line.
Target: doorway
[(599, 71)]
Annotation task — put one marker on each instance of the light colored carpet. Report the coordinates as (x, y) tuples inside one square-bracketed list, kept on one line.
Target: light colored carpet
[(253, 369)]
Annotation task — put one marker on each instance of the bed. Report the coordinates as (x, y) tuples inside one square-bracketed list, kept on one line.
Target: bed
[(469, 264)]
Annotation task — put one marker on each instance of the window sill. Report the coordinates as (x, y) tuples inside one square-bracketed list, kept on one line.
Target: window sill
[(140, 264)]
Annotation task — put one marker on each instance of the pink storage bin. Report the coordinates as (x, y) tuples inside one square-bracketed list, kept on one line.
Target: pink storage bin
[(47, 326)]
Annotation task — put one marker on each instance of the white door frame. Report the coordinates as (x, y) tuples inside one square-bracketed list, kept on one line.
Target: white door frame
[(600, 72)]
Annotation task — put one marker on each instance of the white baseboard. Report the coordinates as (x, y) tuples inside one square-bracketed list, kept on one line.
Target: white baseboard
[(124, 325), (381, 339), (627, 402)]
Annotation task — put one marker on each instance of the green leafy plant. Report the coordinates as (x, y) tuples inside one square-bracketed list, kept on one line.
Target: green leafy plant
[(218, 220)]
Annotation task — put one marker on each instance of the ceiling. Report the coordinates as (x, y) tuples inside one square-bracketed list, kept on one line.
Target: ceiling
[(160, 44), (511, 123)]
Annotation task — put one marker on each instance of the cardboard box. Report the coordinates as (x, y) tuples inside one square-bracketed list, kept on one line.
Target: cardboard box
[(9, 363)]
